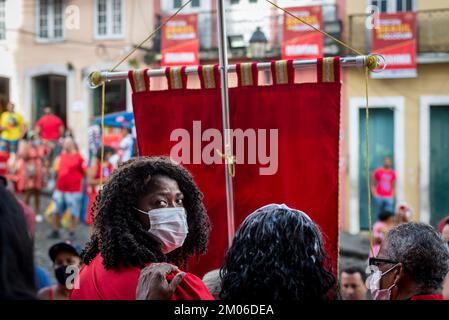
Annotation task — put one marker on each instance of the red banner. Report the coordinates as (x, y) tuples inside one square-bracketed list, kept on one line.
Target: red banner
[(180, 42), (394, 37), (300, 40)]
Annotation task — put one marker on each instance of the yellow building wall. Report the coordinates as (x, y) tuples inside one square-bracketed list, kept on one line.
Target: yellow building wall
[(432, 80)]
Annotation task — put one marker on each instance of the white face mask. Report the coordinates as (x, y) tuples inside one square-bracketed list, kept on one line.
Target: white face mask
[(169, 226), (374, 286)]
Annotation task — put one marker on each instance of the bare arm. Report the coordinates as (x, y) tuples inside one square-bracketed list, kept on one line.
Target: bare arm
[(56, 164), (92, 173), (38, 130), (23, 130), (374, 185), (44, 294), (61, 130)]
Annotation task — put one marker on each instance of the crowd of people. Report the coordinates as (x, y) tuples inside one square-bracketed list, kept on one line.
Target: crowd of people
[(46, 158), (148, 219)]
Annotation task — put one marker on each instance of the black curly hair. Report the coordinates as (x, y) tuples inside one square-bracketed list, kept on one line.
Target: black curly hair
[(277, 255), (120, 237)]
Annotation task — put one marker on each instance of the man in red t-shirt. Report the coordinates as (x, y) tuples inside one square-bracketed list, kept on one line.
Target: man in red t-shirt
[(70, 167), (49, 127), (384, 179)]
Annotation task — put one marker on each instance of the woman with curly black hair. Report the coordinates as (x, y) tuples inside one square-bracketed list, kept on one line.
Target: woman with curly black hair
[(277, 255), (149, 211)]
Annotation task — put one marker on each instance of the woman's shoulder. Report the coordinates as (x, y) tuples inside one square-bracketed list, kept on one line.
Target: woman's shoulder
[(99, 283), (44, 293)]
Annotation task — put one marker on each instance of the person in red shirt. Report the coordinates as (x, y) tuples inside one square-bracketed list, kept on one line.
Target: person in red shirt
[(49, 127), (70, 168), (149, 211), (411, 265), (94, 176), (383, 187)]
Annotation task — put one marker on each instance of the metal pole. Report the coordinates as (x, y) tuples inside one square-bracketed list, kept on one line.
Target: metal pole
[(95, 78), (223, 61)]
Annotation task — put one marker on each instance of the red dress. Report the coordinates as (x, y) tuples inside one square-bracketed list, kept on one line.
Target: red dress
[(92, 189), (97, 283), (30, 173)]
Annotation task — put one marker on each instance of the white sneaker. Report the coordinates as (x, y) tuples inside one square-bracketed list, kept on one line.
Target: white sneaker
[(39, 218)]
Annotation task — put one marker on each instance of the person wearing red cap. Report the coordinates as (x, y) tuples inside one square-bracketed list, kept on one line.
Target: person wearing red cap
[(66, 261)]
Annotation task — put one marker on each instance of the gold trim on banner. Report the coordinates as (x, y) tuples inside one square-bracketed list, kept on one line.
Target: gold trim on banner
[(139, 80), (328, 70), (281, 72), (176, 78), (209, 77), (246, 74)]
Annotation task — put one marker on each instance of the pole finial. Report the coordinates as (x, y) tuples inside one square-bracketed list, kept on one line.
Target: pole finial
[(375, 61), (95, 79)]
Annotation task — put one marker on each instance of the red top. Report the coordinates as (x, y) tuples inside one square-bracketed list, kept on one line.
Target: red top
[(97, 283), (71, 172), (50, 127), (385, 181), (4, 156), (50, 294), (428, 297), (107, 170)]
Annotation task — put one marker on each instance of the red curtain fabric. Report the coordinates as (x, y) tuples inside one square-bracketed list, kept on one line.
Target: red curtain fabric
[(304, 175)]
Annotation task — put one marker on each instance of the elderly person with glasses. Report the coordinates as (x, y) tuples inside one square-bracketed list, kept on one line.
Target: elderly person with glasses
[(411, 265)]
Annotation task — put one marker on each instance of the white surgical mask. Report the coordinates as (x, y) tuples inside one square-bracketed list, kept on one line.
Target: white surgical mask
[(169, 226), (374, 286)]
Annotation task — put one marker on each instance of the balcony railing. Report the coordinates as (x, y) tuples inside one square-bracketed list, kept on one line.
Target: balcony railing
[(432, 32)]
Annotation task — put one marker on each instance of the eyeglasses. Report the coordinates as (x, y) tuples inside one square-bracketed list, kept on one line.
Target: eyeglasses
[(379, 261)]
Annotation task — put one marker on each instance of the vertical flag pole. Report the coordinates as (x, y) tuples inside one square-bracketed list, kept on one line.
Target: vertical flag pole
[(223, 61)]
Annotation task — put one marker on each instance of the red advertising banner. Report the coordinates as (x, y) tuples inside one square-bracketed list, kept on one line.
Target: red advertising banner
[(394, 37), (180, 41), (300, 40)]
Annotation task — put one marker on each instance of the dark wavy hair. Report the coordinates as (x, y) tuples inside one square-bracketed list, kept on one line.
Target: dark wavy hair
[(277, 255), (17, 274), (121, 238)]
